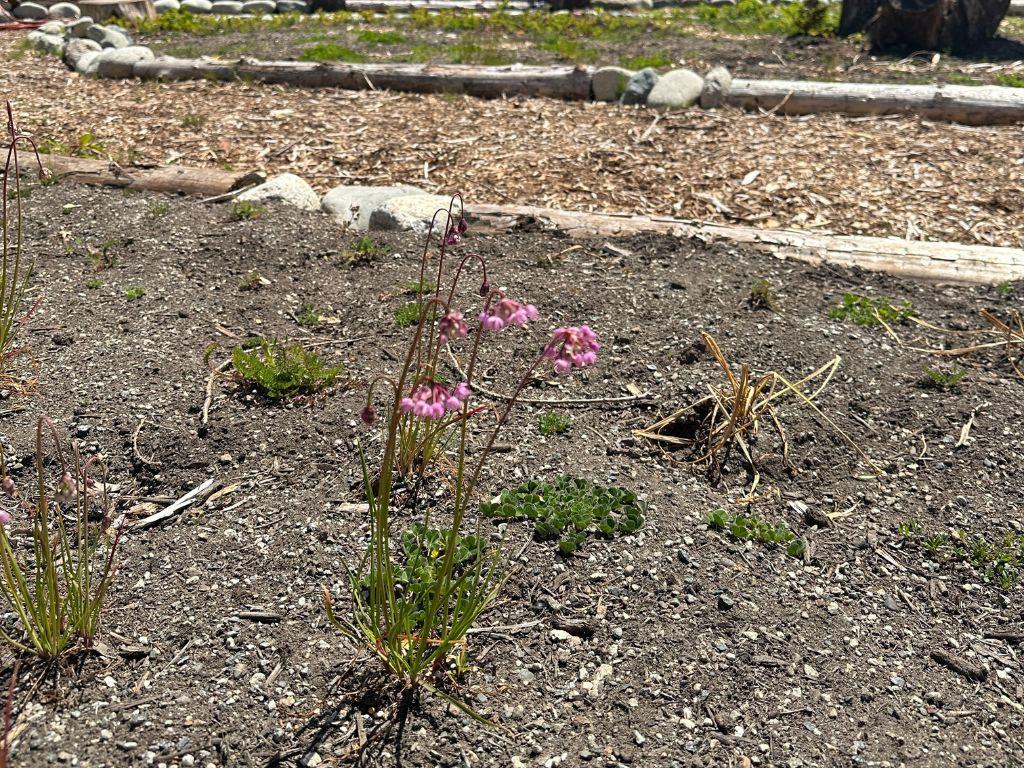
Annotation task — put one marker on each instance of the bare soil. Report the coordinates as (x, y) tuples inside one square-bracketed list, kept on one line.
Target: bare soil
[(218, 651)]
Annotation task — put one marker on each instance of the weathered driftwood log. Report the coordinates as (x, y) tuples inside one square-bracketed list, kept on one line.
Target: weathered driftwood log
[(973, 105), (949, 262), (931, 25), (203, 182), (490, 82), (101, 10)]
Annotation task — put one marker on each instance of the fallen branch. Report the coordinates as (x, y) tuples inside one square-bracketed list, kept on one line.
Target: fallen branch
[(196, 496), (176, 179)]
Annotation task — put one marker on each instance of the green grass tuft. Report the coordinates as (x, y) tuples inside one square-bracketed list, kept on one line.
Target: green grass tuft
[(278, 370), (331, 52), (868, 312), (552, 423), (407, 315)]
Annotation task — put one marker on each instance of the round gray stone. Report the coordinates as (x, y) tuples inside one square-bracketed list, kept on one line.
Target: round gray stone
[(197, 6), (87, 63), (717, 83), (291, 6), (118, 62), (80, 27), (53, 28), (352, 206), (163, 6), (609, 83), (227, 7), (96, 32), (46, 43), (30, 11), (677, 89), (408, 212), (113, 38), (286, 188), (259, 7), (65, 11), (639, 86)]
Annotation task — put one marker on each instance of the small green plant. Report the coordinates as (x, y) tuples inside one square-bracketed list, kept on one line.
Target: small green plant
[(762, 296), (193, 120), (243, 210), (753, 528), (936, 379), (407, 315), (134, 292), (569, 509), (811, 18), (88, 146), (279, 370), (1010, 80), (14, 273), (552, 423), (253, 281), (157, 207), (308, 317), (331, 52), (909, 528), (651, 60), (998, 561), (386, 37), (417, 288), (57, 591), (1005, 289), (866, 311), (52, 146), (102, 257), (364, 251), (93, 283)]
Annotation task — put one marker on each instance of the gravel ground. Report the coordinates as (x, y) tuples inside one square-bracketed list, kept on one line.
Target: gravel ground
[(676, 646)]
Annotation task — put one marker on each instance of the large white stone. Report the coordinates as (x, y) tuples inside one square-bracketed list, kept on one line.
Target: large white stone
[(46, 43), (409, 212), (677, 89), (30, 11), (163, 6), (52, 28), (352, 206), (64, 11), (197, 6), (87, 63), (80, 27), (118, 62), (259, 7), (717, 83), (609, 83), (286, 188), (226, 7)]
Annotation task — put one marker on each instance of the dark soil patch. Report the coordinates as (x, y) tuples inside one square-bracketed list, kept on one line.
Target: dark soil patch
[(662, 39), (717, 650)]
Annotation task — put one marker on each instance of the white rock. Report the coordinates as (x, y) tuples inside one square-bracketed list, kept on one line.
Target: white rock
[(163, 6), (717, 83), (52, 28), (87, 63), (115, 38), (609, 83), (80, 27), (66, 11), (52, 44), (352, 206), (197, 6), (409, 212), (291, 6), (259, 7), (96, 32), (677, 89), (30, 11), (286, 188), (226, 7), (118, 62)]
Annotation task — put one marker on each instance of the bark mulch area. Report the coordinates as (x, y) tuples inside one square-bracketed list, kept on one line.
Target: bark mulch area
[(901, 177), (706, 651)]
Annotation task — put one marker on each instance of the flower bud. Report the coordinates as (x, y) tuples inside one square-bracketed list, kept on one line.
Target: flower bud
[(7, 486), (65, 489), (368, 415), (485, 288), (5, 517)]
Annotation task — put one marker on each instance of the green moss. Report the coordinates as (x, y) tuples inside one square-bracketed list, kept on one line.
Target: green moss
[(331, 52)]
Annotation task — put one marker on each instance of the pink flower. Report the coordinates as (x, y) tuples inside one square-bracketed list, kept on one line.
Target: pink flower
[(451, 326), (368, 415), (5, 517), (572, 348), (507, 312), (66, 490), (432, 401), (454, 234), (7, 486)]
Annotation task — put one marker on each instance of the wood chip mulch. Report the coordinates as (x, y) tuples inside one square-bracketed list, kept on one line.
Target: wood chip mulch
[(893, 176)]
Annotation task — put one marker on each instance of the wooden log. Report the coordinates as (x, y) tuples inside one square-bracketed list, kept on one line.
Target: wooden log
[(947, 262), (487, 82), (203, 182), (972, 105), (101, 10)]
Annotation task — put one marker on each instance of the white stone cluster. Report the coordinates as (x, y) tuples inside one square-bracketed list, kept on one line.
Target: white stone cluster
[(678, 89)]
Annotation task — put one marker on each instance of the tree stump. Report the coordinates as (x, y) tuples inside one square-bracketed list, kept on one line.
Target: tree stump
[(932, 25), (101, 10)]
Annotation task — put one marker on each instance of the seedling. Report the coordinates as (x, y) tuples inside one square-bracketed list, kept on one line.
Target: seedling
[(88, 146), (936, 379), (193, 121), (552, 423), (134, 292), (1005, 289), (253, 281), (569, 509), (997, 561), (407, 315), (753, 528), (762, 296), (866, 311), (364, 251), (102, 257), (93, 283), (243, 210), (416, 288), (157, 207), (308, 317), (279, 370)]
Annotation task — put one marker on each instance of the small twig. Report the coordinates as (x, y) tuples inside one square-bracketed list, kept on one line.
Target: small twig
[(135, 446), (209, 389), (229, 195)]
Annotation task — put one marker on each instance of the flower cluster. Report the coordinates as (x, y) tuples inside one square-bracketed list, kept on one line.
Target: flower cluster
[(506, 312), (572, 348), (451, 326), (432, 401)]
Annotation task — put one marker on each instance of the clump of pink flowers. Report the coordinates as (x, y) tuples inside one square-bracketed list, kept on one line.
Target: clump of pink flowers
[(573, 347), (433, 400), (451, 326), (505, 312)]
